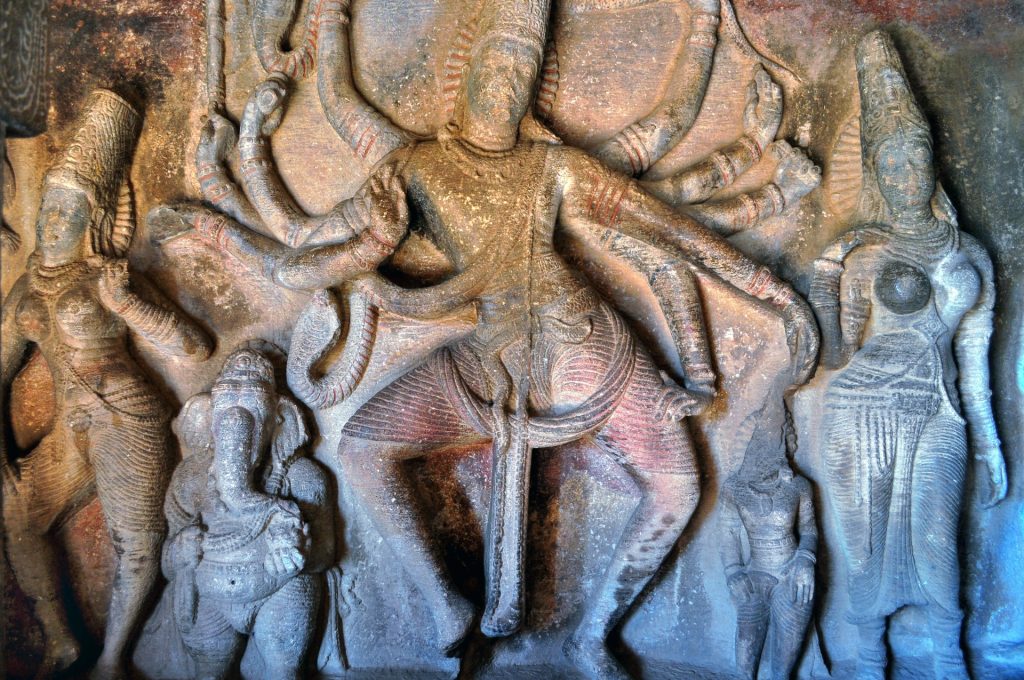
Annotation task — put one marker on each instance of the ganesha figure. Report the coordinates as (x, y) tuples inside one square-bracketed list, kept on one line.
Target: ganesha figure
[(78, 305), (518, 350), (905, 306), (251, 529)]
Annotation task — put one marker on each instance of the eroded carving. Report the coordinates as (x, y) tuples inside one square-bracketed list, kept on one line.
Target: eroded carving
[(251, 533), (904, 300), (525, 354), (77, 305), (771, 508)]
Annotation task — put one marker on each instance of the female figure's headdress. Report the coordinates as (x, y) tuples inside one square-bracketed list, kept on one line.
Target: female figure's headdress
[(97, 163)]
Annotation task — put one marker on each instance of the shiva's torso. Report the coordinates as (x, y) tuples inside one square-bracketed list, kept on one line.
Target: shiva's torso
[(497, 211)]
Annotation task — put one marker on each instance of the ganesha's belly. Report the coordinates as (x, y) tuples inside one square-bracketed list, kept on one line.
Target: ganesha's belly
[(237, 575)]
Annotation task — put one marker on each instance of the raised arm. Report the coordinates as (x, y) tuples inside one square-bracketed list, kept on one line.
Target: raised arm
[(642, 144), (761, 119), (595, 199), (157, 322), (370, 135), (971, 343)]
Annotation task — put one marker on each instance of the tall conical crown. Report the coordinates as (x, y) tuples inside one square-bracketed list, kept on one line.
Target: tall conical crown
[(524, 21), (886, 103), (97, 161)]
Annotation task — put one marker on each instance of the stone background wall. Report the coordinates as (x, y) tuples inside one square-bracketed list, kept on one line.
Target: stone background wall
[(966, 61)]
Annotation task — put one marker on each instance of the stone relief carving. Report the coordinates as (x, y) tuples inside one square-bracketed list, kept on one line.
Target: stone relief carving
[(905, 302), (518, 324), (77, 306), (547, 363), (769, 508), (250, 534)]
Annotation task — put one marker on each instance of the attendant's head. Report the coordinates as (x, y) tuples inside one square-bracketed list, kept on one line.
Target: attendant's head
[(86, 208)]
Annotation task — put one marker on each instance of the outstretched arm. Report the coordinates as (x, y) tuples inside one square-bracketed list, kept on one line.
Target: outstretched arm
[(795, 176), (971, 344), (642, 144), (162, 325), (595, 199), (761, 119)]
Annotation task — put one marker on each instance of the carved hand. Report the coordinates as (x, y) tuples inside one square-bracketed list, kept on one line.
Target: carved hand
[(801, 337), (216, 140), (839, 249), (796, 175), (113, 284), (740, 586), (385, 201), (265, 107), (188, 547), (763, 112), (677, 403), (802, 580), (996, 474), (287, 541)]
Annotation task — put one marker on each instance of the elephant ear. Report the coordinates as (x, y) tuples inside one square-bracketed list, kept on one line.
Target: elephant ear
[(291, 429), (194, 425)]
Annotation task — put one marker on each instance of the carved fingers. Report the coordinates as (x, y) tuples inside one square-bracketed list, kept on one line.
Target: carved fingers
[(740, 586), (113, 284), (288, 541), (802, 581), (265, 107), (763, 113), (385, 200), (997, 477), (802, 338), (796, 175), (677, 403), (216, 140)]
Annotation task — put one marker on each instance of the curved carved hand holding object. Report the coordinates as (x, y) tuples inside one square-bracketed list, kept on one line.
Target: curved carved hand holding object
[(251, 533), (77, 305), (905, 306), (524, 353)]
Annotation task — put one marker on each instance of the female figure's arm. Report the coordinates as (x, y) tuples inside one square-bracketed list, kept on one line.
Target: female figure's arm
[(841, 321), (971, 344), (166, 328)]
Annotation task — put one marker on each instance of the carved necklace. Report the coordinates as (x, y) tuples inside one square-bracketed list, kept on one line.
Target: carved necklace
[(763, 494), (49, 281), (491, 167)]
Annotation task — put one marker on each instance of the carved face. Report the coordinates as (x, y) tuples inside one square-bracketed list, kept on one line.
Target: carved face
[(906, 176), (499, 88), (258, 400), (62, 224)]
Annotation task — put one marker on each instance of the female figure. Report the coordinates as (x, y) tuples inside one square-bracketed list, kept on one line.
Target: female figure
[(905, 309), (110, 431)]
